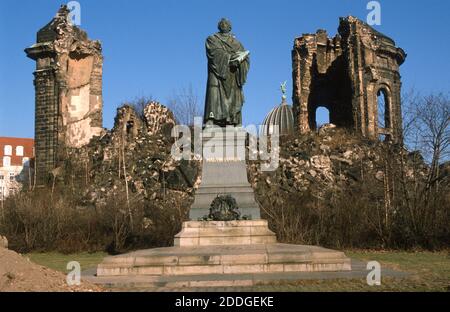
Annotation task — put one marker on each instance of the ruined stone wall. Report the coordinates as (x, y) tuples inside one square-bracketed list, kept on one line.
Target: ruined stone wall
[(46, 119), (68, 85), (345, 74), (158, 117)]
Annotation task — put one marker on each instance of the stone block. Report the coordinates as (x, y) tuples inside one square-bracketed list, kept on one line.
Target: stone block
[(186, 241), (238, 232), (224, 259), (243, 268), (149, 270), (222, 240), (193, 269), (3, 242), (273, 268), (231, 170), (156, 260), (235, 259), (266, 239), (199, 260), (288, 257)]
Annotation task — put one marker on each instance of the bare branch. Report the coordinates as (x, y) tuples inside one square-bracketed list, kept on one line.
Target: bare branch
[(185, 105)]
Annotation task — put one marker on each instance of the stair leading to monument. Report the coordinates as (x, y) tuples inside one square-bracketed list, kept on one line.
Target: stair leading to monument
[(227, 259), (218, 281)]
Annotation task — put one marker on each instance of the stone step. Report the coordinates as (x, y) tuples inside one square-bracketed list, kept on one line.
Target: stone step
[(238, 232), (233, 259), (149, 282)]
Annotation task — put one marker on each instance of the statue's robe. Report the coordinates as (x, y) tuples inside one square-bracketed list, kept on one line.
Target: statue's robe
[(224, 96)]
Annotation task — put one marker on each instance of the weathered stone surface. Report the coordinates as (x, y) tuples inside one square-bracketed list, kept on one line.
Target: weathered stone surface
[(183, 176), (158, 118), (274, 273), (68, 85), (127, 124), (128, 152), (237, 232), (306, 168), (224, 172), (345, 74), (3, 242), (231, 259)]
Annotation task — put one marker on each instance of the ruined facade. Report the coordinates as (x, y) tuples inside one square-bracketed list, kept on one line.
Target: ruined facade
[(347, 74), (158, 117), (127, 124), (68, 86), (153, 119)]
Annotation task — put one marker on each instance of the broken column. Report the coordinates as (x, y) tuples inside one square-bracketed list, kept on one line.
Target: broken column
[(68, 90)]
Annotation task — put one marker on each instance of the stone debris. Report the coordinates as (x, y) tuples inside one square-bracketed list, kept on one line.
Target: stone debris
[(127, 124), (306, 167), (151, 172), (158, 118)]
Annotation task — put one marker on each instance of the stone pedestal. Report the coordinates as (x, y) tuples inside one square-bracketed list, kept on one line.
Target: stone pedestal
[(196, 261), (203, 248), (221, 252), (208, 233), (224, 172)]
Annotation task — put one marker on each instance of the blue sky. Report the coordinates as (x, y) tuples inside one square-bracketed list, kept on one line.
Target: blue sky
[(157, 47)]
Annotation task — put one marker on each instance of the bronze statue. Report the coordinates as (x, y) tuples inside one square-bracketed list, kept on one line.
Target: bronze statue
[(228, 65)]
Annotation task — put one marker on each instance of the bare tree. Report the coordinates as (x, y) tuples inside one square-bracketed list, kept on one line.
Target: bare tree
[(185, 105), (139, 104), (409, 115), (428, 129)]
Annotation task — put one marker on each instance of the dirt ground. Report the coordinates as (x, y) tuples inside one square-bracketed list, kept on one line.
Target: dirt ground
[(18, 273)]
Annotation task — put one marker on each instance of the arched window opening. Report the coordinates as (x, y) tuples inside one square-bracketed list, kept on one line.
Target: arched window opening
[(322, 116), (383, 113), (383, 110)]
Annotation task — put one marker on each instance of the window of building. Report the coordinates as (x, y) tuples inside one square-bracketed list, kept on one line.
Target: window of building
[(8, 150), (6, 161), (2, 177), (384, 122), (12, 176), (19, 150)]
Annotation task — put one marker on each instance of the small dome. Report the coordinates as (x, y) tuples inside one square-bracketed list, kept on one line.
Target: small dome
[(282, 116)]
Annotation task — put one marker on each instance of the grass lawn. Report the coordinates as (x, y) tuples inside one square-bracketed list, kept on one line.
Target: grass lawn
[(58, 261), (429, 271)]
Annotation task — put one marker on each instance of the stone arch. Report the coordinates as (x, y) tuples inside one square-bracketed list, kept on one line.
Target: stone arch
[(384, 113), (330, 88), (322, 115)]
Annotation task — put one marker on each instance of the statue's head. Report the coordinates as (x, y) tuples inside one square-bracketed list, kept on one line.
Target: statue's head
[(224, 26)]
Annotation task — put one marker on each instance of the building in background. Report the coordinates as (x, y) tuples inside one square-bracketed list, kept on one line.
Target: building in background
[(15, 159)]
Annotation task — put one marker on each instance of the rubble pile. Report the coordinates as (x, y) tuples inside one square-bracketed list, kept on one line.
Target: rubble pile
[(330, 160), (137, 150)]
